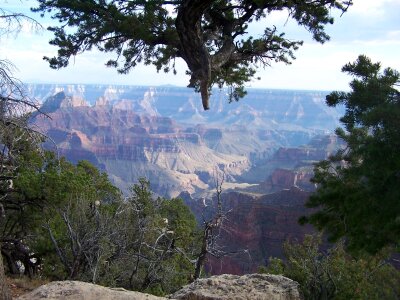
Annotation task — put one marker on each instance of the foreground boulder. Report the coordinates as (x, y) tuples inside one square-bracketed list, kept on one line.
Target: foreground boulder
[(233, 287), (222, 287), (77, 290)]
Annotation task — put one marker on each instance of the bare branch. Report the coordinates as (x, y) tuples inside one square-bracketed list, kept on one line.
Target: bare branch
[(13, 23)]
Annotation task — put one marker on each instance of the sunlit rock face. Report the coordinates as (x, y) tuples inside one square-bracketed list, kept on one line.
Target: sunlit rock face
[(252, 286), (163, 134), (129, 145)]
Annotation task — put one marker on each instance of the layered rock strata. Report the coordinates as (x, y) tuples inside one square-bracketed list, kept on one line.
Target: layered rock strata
[(255, 227)]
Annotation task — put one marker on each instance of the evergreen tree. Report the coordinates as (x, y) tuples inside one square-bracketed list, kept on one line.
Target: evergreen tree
[(14, 104), (42, 186), (358, 194), (209, 35), (87, 232), (334, 273)]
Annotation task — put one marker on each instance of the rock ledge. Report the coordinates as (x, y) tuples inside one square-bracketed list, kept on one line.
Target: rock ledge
[(222, 287), (233, 287), (77, 290)]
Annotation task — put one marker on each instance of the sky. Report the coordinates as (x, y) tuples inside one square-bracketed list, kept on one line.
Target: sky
[(370, 27)]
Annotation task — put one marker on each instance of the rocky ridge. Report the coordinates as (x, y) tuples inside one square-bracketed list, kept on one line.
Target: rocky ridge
[(128, 145), (261, 108), (160, 134), (76, 290)]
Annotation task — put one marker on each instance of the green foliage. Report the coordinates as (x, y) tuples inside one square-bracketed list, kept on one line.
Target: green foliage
[(15, 134), (164, 243), (140, 243), (66, 221), (47, 181), (359, 187), (334, 274), (180, 220), (210, 36), (275, 266), (42, 186)]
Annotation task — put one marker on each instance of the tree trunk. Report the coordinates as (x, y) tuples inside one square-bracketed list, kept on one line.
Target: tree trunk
[(192, 44), (4, 290), (201, 259)]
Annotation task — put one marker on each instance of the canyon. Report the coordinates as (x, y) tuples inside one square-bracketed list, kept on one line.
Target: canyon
[(263, 147), (162, 134)]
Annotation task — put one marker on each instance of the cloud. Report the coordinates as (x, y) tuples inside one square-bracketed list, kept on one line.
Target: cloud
[(393, 35), (370, 27), (371, 8)]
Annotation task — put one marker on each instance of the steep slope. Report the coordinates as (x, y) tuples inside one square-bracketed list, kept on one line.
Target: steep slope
[(255, 227), (291, 166)]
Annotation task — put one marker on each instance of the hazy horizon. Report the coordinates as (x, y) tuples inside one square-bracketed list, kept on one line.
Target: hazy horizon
[(165, 85)]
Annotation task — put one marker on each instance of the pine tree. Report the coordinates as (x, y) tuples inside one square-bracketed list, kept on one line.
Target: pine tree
[(211, 36), (358, 194)]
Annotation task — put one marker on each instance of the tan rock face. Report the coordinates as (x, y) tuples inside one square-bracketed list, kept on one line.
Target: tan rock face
[(233, 287), (128, 146), (76, 290)]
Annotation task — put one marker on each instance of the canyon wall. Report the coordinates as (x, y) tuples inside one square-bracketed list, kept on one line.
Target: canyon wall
[(265, 146), (162, 135)]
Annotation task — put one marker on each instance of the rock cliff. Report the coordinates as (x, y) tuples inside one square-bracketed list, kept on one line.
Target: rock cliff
[(255, 227), (162, 133), (261, 108), (290, 166), (128, 145)]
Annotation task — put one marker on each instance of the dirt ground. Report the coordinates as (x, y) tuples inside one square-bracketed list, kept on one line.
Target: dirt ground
[(23, 285)]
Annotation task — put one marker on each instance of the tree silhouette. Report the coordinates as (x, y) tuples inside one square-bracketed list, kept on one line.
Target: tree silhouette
[(211, 36)]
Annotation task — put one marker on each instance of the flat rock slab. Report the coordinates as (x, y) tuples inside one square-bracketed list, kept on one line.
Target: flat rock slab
[(77, 290), (247, 287)]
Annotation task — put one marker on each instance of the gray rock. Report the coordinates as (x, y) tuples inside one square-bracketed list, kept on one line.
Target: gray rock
[(222, 287), (77, 290), (233, 287)]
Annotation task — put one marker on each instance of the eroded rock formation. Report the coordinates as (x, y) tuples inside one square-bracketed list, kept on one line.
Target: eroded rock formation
[(128, 145)]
